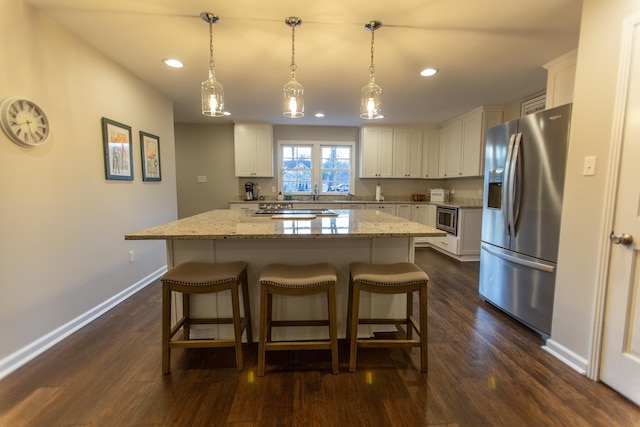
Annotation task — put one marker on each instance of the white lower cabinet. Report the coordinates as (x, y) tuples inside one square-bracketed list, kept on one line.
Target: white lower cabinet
[(388, 208), (420, 213), (466, 245), (244, 206), (352, 206), (403, 210)]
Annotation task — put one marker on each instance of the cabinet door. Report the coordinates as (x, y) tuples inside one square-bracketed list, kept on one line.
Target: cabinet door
[(376, 148), (352, 206), (420, 213), (407, 152), (403, 210), (469, 230), (451, 150), (264, 151), (253, 150), (386, 208), (244, 149), (472, 145), (244, 206), (430, 153), (431, 222)]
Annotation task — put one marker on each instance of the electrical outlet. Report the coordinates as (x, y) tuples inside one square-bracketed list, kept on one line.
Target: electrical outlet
[(202, 178), (132, 256)]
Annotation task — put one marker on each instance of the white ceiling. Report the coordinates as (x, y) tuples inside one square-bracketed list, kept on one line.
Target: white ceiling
[(488, 52)]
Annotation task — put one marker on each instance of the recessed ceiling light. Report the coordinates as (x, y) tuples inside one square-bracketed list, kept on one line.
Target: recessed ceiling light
[(173, 63), (428, 72), (319, 115)]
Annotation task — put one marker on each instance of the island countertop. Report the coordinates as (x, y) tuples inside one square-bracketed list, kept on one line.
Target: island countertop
[(236, 224)]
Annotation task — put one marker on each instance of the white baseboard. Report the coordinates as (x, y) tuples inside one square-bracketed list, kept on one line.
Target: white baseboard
[(575, 361), (42, 344)]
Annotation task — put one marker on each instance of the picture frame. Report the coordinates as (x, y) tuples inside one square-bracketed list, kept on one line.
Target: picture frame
[(118, 153), (533, 105), (150, 154)]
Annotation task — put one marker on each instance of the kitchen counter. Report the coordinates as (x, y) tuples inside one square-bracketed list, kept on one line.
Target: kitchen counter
[(236, 224), (236, 235)]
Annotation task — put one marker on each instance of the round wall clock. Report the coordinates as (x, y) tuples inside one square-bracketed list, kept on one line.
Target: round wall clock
[(24, 122)]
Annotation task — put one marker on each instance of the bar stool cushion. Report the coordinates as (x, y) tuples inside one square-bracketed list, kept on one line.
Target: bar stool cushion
[(298, 276), (204, 274), (403, 273)]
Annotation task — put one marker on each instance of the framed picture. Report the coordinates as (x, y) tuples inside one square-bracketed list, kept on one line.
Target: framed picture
[(118, 156), (150, 149), (533, 105)]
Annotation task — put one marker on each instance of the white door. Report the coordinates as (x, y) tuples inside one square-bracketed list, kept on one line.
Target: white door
[(620, 363)]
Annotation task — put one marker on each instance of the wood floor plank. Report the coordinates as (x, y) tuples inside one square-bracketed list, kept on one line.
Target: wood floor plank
[(485, 369)]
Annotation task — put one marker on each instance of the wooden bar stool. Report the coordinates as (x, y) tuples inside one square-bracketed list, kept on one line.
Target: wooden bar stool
[(203, 278), (297, 280), (399, 278)]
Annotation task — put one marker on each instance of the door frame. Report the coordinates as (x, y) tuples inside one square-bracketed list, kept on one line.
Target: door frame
[(611, 190)]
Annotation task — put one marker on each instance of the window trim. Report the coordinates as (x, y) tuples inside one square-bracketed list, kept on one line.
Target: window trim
[(316, 162)]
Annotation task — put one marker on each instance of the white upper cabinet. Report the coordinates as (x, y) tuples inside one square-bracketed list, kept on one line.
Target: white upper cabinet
[(430, 153), (407, 152), (451, 150), (376, 152), (462, 142), (253, 148), (561, 75)]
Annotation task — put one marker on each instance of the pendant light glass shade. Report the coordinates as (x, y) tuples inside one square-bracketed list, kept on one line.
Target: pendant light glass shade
[(371, 94), (212, 92), (371, 101), (212, 97), (293, 99), (293, 92)]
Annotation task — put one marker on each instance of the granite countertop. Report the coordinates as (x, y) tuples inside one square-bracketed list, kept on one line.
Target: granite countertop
[(238, 224), (461, 203)]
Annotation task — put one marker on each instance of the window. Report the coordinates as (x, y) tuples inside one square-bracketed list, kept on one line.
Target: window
[(297, 172), (325, 167)]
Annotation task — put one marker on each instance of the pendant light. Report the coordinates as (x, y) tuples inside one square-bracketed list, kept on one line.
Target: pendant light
[(293, 92), (371, 96), (212, 90)]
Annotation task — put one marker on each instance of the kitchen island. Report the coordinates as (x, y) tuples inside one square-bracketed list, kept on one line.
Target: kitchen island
[(235, 235)]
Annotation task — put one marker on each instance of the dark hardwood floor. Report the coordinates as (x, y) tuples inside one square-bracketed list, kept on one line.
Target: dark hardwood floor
[(484, 370)]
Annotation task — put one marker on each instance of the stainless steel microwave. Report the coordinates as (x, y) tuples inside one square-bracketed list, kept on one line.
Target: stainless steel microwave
[(447, 219)]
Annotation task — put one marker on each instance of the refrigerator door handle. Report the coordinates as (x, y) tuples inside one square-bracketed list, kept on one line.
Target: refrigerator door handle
[(514, 183), (518, 260), (506, 204)]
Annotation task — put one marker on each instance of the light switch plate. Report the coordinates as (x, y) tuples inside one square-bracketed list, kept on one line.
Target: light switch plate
[(202, 178), (589, 166)]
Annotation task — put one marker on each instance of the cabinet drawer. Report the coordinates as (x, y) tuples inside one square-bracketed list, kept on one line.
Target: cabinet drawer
[(449, 243)]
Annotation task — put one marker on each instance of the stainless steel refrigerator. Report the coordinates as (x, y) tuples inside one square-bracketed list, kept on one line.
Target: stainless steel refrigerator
[(525, 163)]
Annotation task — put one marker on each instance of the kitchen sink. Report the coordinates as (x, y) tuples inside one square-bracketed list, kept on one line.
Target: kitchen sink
[(317, 212)]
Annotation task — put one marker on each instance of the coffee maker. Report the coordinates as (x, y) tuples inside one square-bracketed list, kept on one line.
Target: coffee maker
[(250, 191)]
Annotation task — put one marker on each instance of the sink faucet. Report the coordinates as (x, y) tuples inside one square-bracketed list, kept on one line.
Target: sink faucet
[(315, 191)]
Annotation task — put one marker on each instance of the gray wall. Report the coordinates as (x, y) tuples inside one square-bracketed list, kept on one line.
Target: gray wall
[(63, 224)]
